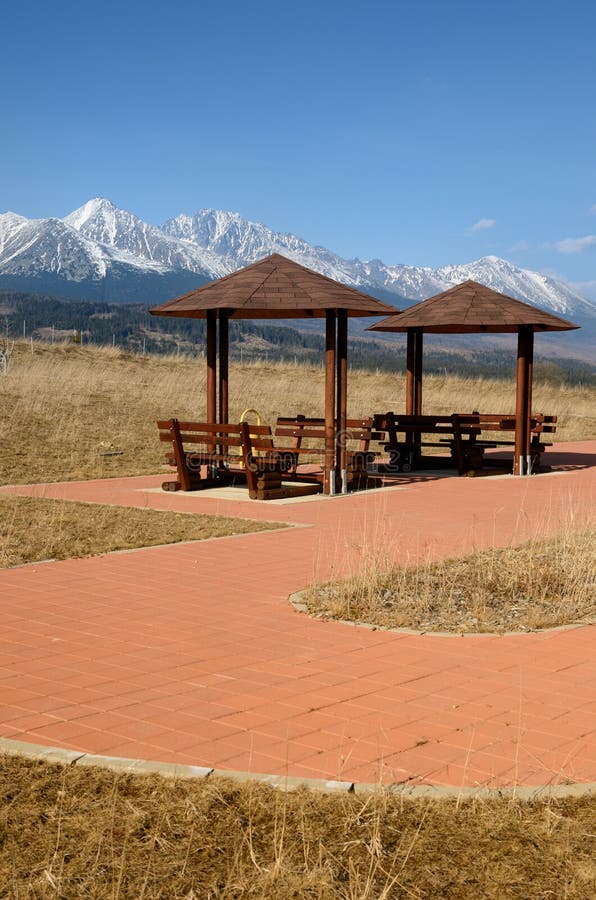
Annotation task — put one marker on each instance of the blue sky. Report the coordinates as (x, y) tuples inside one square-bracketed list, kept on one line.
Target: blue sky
[(423, 133)]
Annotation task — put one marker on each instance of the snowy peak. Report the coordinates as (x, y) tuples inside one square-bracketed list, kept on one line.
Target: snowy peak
[(101, 221), (94, 211), (212, 226), (51, 256), (10, 223), (523, 284), (227, 234), (53, 246), (240, 242)]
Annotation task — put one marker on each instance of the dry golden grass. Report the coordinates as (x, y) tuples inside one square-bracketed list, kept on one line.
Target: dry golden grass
[(64, 407), (86, 833), (540, 584), (33, 529)]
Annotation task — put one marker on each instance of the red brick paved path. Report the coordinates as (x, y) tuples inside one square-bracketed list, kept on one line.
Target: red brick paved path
[(191, 653)]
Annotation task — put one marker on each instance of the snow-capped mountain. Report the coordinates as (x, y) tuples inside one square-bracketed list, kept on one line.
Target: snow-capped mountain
[(10, 224), (534, 287), (241, 242), (102, 222), (101, 251), (52, 256), (50, 245)]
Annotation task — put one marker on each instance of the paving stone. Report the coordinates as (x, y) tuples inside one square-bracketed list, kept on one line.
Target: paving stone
[(193, 652)]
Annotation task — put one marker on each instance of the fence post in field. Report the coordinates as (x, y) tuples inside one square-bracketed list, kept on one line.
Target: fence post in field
[(6, 356)]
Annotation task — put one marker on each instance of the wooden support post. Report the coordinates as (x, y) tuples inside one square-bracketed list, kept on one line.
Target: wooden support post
[(418, 371), (224, 344), (529, 380), (525, 348), (410, 389), (342, 399), (211, 411), (414, 349), (329, 475)]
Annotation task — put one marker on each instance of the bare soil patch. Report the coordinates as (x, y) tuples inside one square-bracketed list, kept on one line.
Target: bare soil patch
[(540, 584)]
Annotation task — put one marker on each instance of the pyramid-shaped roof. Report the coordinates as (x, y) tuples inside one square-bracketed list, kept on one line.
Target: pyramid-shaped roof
[(471, 307), (273, 288)]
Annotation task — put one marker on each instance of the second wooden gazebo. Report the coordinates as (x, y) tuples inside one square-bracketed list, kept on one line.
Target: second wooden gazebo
[(279, 288), (473, 308)]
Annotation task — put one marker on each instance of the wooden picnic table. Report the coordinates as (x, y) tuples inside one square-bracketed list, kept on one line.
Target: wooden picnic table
[(407, 434)]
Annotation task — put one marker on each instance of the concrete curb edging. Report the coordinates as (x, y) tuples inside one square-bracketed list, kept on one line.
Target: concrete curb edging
[(296, 600), (65, 757)]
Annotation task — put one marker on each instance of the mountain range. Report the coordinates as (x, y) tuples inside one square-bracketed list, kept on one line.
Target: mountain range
[(102, 252)]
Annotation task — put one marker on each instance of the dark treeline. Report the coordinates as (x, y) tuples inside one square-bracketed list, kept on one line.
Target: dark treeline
[(132, 328)]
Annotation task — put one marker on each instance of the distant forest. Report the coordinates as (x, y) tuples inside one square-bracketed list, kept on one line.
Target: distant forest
[(132, 328)]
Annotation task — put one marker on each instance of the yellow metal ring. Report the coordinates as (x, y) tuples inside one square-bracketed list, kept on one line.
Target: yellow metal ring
[(258, 422), (254, 412)]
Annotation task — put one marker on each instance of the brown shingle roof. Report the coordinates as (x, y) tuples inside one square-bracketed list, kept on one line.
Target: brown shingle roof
[(471, 307), (274, 288)]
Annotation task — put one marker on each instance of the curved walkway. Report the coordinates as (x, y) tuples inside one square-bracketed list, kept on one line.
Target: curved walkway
[(192, 654)]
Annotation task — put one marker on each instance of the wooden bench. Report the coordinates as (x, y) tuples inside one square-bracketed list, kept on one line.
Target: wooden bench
[(204, 455), (291, 433), (472, 426), (207, 455)]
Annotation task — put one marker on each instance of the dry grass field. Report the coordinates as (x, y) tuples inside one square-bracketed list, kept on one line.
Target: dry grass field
[(32, 529), (541, 584), (79, 412), (74, 833)]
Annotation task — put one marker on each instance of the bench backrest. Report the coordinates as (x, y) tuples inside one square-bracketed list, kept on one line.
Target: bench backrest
[(215, 445), (539, 423), (465, 423), (299, 428), (392, 423), (305, 437)]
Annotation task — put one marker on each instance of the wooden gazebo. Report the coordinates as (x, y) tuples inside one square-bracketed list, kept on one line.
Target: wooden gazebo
[(279, 288), (472, 308)]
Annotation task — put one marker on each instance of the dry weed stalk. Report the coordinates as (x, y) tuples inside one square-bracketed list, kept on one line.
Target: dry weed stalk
[(540, 584)]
